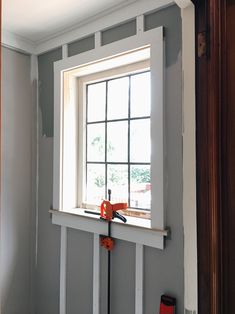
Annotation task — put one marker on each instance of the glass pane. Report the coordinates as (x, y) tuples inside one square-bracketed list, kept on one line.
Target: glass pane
[(95, 184), (118, 182), (96, 102), (117, 134), (140, 95), (96, 142), (140, 189), (140, 146), (118, 91)]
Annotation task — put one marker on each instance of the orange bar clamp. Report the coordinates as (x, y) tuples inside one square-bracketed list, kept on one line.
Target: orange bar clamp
[(108, 211)]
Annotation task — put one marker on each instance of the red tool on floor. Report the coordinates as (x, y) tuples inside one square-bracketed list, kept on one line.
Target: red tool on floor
[(167, 305), (108, 212)]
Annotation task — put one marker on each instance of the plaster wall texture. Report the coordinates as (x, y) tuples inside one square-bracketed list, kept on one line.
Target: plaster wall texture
[(16, 184)]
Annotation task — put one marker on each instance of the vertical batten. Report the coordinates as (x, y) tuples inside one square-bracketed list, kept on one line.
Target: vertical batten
[(157, 133), (65, 51), (189, 160), (63, 242), (96, 274), (140, 24), (63, 266), (139, 268), (97, 39), (35, 176)]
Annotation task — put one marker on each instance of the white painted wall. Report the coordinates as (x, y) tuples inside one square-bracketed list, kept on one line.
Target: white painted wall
[(16, 209)]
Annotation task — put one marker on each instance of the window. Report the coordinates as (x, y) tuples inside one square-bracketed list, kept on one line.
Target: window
[(106, 143), (117, 141)]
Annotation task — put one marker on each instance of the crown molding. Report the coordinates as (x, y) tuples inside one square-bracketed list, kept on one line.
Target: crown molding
[(114, 16), (101, 22), (88, 20), (19, 43), (183, 4)]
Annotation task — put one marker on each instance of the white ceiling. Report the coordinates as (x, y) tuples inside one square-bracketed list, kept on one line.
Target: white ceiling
[(40, 20)]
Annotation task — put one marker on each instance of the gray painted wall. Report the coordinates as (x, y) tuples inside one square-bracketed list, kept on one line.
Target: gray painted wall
[(46, 89), (16, 201), (118, 32), (81, 45), (48, 250), (163, 269)]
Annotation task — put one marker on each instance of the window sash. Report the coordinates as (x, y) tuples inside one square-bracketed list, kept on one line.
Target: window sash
[(105, 122)]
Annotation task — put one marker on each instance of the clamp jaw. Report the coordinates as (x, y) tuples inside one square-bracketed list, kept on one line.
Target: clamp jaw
[(108, 211)]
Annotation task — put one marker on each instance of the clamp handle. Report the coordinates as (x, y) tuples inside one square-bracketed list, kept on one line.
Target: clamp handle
[(119, 216)]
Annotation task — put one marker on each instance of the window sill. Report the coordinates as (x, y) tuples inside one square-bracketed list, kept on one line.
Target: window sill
[(136, 230)]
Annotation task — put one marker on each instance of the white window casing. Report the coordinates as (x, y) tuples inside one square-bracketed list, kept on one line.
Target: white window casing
[(144, 45)]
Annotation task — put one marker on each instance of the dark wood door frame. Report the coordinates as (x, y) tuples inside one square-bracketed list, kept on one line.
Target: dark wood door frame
[(215, 148), (208, 94)]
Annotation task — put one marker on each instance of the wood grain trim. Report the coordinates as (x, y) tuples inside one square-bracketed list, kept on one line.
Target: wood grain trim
[(228, 155), (214, 148), (208, 109)]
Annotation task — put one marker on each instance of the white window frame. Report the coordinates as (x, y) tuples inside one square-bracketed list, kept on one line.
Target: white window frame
[(136, 231), (126, 70)]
